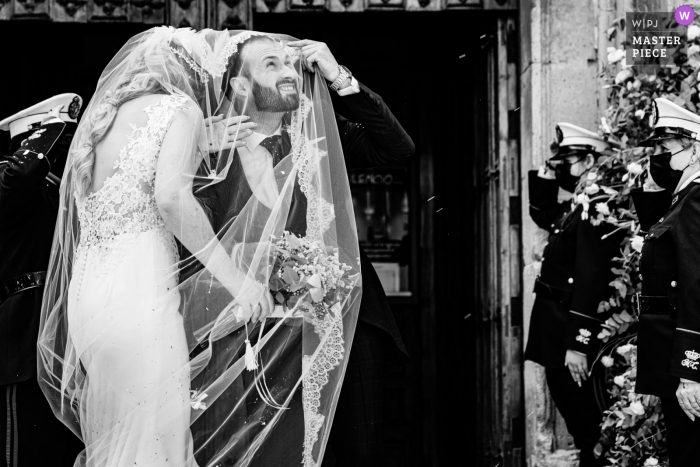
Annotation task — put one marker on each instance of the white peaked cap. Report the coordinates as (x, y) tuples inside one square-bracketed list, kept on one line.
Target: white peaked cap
[(66, 105), (672, 121), (574, 137)]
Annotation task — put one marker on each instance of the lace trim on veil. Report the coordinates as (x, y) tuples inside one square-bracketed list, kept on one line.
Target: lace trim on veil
[(319, 216)]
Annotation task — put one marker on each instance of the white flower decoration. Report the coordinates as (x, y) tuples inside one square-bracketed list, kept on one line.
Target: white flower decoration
[(639, 114), (637, 243), (602, 208), (623, 76), (637, 408), (623, 349), (652, 461), (693, 49), (615, 55), (619, 380), (607, 361), (592, 189), (633, 167), (693, 33)]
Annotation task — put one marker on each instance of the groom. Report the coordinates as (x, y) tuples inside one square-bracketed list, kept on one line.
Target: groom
[(376, 139)]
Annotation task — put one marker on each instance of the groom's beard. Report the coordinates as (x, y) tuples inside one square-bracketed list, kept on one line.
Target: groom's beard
[(272, 100)]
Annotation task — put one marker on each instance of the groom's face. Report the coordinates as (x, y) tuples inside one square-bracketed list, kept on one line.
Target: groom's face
[(271, 77)]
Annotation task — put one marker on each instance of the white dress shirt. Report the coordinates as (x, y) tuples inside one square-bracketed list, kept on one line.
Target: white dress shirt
[(258, 168)]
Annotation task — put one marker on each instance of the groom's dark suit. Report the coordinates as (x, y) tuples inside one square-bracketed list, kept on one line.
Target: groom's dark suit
[(375, 139)]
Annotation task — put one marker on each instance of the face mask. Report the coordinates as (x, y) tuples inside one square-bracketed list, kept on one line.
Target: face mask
[(564, 178), (662, 173)]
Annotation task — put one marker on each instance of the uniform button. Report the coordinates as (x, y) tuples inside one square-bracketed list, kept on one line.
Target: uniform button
[(674, 284), (571, 280), (556, 231), (661, 220), (552, 225), (640, 277)]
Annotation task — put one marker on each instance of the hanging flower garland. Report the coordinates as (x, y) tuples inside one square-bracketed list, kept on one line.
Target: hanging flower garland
[(632, 430)]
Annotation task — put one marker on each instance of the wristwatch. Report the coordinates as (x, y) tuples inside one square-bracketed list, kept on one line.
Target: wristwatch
[(342, 77)]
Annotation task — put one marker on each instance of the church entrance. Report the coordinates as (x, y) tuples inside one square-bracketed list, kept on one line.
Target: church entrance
[(444, 231)]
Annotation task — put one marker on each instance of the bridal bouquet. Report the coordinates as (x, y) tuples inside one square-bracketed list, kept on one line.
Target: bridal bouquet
[(309, 277)]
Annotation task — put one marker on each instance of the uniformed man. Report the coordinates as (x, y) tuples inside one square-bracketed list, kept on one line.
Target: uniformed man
[(30, 175), (575, 277), (669, 330)]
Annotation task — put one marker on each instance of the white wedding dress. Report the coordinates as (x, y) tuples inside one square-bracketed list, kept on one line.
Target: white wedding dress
[(123, 314)]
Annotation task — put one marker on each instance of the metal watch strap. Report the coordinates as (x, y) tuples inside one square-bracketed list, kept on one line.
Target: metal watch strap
[(21, 283), (344, 75)]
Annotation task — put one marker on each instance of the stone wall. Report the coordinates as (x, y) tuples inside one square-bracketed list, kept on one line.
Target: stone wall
[(560, 59)]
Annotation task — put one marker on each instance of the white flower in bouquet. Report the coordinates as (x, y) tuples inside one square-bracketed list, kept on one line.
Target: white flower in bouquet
[(637, 243), (693, 33), (652, 461), (603, 208), (633, 167), (615, 55), (637, 408), (693, 49), (607, 361), (640, 115), (619, 380)]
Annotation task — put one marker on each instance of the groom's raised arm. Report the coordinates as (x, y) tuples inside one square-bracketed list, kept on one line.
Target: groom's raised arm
[(376, 138)]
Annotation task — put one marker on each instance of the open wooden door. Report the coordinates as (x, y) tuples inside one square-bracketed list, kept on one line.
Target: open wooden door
[(498, 302)]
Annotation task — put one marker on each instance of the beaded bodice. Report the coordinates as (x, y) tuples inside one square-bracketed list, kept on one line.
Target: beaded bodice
[(125, 206)]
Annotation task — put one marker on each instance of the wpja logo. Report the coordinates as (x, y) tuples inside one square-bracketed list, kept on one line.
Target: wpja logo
[(656, 38)]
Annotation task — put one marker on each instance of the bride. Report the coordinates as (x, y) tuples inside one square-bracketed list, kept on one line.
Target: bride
[(153, 369)]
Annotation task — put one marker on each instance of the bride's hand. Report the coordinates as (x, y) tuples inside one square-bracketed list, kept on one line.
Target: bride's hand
[(256, 303), (264, 308), (225, 134)]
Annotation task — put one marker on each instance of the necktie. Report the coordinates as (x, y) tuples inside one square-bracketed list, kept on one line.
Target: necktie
[(273, 144)]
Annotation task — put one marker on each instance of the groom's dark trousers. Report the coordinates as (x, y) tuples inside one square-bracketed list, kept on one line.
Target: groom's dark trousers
[(30, 434), (374, 138)]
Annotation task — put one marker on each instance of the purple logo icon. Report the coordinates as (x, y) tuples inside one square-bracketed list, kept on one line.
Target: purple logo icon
[(684, 15)]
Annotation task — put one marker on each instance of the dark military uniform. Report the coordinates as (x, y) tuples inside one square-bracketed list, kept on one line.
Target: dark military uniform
[(31, 434), (575, 277), (669, 305)]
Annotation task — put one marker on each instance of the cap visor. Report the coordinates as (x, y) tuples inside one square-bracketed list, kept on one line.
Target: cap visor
[(565, 152), (649, 142)]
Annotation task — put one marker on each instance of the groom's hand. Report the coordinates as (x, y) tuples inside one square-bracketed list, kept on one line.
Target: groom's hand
[(319, 53)]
